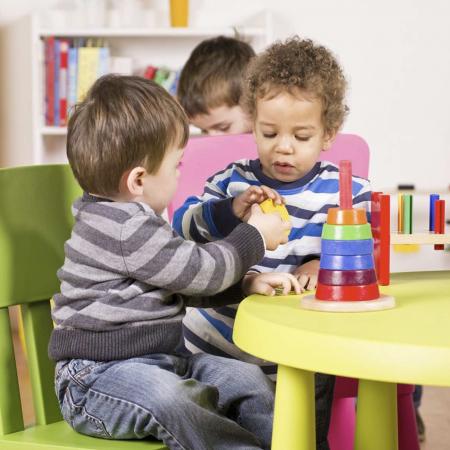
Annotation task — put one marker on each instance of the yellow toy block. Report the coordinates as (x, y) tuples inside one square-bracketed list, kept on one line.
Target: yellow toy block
[(267, 206)]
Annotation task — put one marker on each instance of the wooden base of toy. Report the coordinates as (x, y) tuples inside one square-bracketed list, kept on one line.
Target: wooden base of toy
[(383, 302)]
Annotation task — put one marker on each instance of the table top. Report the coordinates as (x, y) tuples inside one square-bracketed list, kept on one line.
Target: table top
[(407, 344)]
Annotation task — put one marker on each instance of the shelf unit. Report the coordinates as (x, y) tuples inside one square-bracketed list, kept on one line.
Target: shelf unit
[(24, 138)]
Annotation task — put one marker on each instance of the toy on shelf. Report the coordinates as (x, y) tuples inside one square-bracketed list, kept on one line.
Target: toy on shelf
[(347, 278), (383, 237)]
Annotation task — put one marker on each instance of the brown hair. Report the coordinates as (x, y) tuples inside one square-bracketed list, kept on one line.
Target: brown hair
[(298, 64), (124, 122), (213, 75)]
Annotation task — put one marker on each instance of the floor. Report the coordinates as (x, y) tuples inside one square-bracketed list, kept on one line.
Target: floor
[(435, 407)]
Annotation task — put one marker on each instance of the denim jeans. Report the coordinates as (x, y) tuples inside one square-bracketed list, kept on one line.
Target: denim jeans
[(324, 392), (190, 403), (417, 395)]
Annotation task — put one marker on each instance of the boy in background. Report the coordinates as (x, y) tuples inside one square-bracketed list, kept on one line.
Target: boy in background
[(295, 96), (127, 277), (210, 86)]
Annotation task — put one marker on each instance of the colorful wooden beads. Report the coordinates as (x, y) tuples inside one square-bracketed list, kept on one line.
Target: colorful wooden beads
[(347, 280), (347, 271)]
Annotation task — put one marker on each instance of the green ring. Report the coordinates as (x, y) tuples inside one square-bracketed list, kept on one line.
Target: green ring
[(346, 232)]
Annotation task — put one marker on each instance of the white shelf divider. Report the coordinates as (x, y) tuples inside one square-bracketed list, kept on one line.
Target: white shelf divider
[(152, 32), (54, 131)]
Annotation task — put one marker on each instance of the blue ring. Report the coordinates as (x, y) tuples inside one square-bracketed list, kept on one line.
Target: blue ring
[(346, 262), (356, 247)]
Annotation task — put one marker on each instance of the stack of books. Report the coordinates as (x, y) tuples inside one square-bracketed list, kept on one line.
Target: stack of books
[(71, 66), (167, 78)]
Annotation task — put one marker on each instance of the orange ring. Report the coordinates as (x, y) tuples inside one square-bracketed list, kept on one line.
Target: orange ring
[(338, 216)]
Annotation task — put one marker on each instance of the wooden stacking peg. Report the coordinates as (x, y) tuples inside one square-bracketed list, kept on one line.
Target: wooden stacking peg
[(433, 199), (407, 214), (400, 213), (439, 221), (345, 184)]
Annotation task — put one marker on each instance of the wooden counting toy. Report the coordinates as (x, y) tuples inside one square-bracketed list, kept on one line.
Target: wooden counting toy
[(347, 278), (405, 236)]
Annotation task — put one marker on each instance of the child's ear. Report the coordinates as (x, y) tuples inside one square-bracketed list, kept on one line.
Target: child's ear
[(133, 181), (330, 136)]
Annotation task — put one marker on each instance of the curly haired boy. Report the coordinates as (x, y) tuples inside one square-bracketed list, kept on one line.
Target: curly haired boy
[(295, 95)]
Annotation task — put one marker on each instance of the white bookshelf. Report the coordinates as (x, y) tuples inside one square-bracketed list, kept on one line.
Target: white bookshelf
[(24, 138)]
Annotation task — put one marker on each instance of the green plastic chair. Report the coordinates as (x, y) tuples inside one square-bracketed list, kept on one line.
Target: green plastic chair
[(35, 221)]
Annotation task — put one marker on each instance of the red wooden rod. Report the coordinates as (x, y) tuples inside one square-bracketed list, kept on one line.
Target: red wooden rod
[(439, 221), (345, 184), (385, 240)]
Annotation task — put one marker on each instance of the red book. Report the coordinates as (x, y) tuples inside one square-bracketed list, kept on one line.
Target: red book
[(150, 72), (63, 80), (49, 81)]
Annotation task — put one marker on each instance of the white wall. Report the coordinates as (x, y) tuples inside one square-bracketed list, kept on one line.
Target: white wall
[(13, 9), (395, 54)]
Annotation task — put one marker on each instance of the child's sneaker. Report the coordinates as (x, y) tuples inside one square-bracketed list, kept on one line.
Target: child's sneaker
[(420, 426)]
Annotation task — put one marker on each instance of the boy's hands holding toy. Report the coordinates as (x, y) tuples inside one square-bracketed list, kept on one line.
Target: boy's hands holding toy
[(254, 194), (265, 283), (307, 274), (272, 227)]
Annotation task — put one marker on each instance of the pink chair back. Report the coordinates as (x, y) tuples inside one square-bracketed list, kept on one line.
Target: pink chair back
[(206, 155)]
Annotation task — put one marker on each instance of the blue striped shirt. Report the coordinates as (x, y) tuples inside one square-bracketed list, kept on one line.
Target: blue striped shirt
[(209, 217)]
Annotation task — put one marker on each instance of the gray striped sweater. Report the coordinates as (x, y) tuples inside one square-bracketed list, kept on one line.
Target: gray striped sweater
[(128, 275)]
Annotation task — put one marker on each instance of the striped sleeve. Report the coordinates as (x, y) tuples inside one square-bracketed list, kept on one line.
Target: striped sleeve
[(362, 192), (196, 219), (157, 256)]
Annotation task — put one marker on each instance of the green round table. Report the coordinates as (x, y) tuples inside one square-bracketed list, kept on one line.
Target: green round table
[(408, 344)]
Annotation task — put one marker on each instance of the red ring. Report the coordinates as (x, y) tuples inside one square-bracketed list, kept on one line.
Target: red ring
[(347, 293)]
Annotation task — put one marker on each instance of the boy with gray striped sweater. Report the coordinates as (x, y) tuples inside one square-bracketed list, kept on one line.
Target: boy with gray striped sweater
[(127, 277)]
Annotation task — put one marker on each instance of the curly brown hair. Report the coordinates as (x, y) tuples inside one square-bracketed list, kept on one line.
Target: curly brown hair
[(298, 64)]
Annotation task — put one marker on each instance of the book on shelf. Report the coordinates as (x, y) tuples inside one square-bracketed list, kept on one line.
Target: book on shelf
[(165, 77), (72, 65), (63, 81), (57, 50), (72, 79), (49, 80)]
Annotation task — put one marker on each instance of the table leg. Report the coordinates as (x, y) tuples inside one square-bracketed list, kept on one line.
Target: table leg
[(294, 416), (376, 416)]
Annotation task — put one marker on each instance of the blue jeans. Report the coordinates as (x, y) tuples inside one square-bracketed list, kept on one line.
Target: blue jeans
[(190, 403)]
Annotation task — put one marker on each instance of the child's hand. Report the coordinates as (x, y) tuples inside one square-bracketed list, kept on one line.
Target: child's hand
[(274, 230), (307, 274), (254, 194), (265, 283)]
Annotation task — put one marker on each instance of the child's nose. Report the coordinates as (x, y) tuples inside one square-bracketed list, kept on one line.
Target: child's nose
[(285, 145)]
